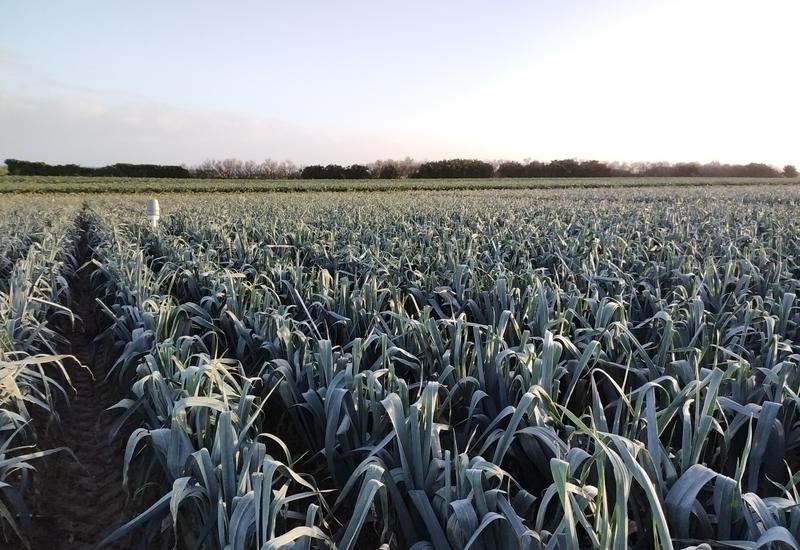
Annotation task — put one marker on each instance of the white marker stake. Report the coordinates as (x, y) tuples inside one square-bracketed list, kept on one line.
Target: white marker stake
[(153, 212)]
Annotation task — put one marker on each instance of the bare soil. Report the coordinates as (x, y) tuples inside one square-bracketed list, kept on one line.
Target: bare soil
[(77, 503)]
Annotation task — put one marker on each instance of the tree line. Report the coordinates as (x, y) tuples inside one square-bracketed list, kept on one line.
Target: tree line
[(27, 168), (407, 168), (571, 168)]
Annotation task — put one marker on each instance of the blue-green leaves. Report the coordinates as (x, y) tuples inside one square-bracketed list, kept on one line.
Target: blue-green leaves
[(524, 370)]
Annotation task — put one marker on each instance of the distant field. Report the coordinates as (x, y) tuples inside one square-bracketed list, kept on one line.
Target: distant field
[(39, 184)]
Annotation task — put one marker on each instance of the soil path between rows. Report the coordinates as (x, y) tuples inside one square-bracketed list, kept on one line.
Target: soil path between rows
[(78, 504)]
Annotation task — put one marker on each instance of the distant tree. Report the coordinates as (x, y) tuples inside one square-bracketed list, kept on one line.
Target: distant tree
[(26, 168), (3, 170), (206, 169), (685, 169), (287, 170), (566, 168), (594, 169), (231, 168), (250, 169), (563, 168), (406, 167), (620, 169), (335, 172), (234, 168), (536, 169), (356, 172), (313, 172), (759, 170), (511, 169), (455, 168), (388, 172)]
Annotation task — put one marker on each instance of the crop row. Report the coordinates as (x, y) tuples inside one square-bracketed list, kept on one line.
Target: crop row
[(36, 258)]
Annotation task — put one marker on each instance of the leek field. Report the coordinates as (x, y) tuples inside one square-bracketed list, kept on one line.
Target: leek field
[(544, 369)]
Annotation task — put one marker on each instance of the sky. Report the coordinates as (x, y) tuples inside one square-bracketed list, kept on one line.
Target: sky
[(178, 82)]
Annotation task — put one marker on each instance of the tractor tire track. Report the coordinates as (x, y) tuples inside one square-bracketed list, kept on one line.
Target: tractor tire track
[(78, 503)]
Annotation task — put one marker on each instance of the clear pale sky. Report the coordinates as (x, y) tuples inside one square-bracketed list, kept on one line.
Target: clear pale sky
[(96, 82)]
